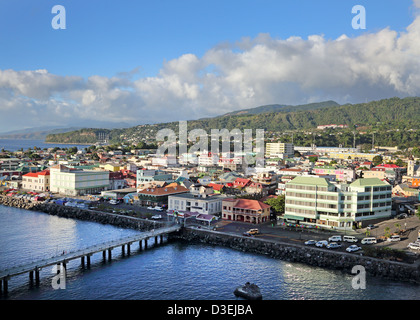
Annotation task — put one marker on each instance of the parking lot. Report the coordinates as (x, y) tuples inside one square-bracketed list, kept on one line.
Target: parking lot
[(294, 235)]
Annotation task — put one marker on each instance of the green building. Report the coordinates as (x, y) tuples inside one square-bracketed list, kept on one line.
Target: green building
[(316, 201)]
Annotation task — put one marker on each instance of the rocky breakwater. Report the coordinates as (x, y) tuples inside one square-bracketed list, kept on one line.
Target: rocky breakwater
[(312, 256), (81, 214)]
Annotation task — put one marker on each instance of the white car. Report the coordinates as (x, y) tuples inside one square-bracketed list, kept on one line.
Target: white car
[(322, 243), (333, 245), (156, 217), (334, 238), (150, 208), (353, 248), (310, 242), (394, 238), (369, 241), (414, 245), (158, 208)]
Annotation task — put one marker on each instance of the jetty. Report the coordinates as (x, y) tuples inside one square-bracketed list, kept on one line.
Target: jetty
[(33, 268)]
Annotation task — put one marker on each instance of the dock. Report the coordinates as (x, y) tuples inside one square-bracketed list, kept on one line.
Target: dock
[(33, 268)]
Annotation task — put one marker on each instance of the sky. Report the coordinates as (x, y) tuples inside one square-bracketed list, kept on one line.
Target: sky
[(135, 62)]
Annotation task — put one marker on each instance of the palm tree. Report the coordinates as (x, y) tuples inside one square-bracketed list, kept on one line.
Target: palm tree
[(387, 229)]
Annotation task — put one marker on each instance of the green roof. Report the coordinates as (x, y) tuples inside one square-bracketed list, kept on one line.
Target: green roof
[(313, 181), (367, 182)]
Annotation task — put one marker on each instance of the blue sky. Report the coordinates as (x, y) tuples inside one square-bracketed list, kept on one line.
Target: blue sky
[(108, 37), (164, 47)]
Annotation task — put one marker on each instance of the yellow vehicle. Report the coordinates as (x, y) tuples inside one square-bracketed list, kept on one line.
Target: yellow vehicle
[(253, 231)]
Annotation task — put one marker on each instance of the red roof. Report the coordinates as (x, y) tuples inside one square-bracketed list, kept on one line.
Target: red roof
[(388, 166), (241, 181), (248, 204), (216, 186), (36, 174)]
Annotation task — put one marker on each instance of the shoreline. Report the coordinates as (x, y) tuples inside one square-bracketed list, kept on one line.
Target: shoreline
[(316, 257)]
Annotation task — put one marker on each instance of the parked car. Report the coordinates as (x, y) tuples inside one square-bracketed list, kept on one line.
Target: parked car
[(371, 226), (369, 240), (394, 238), (254, 231), (402, 216), (247, 234), (349, 239), (150, 208), (158, 208), (414, 246), (353, 248), (333, 245), (321, 243), (334, 238), (156, 217), (113, 201), (310, 242)]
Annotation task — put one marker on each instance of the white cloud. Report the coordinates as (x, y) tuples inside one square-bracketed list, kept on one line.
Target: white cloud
[(248, 73)]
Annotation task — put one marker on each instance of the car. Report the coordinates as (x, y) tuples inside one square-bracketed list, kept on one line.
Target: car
[(247, 234), (113, 202), (371, 226), (333, 245), (310, 242), (321, 243), (394, 238), (369, 240), (254, 231), (402, 216), (353, 248), (158, 209), (349, 239), (334, 238), (156, 217), (414, 246), (150, 208)]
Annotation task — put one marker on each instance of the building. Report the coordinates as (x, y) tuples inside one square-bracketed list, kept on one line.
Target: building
[(75, 182), (252, 211), (279, 149), (158, 196), (341, 173), (263, 183), (36, 181), (151, 178), (315, 201), (203, 203)]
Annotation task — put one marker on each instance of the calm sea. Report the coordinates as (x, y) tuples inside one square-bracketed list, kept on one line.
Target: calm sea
[(16, 144), (172, 271)]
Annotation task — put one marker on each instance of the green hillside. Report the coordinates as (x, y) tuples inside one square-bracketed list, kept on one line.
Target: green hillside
[(382, 116)]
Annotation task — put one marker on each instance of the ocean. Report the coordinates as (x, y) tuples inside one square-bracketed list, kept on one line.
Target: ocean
[(170, 271), (16, 144)]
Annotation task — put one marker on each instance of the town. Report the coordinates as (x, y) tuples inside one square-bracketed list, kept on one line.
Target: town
[(320, 190)]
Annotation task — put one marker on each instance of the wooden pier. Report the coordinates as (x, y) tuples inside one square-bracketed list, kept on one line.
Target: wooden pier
[(33, 268)]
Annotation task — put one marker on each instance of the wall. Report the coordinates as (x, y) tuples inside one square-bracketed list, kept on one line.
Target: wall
[(302, 254)]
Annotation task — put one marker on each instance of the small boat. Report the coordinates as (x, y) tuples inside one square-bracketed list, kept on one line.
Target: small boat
[(248, 291)]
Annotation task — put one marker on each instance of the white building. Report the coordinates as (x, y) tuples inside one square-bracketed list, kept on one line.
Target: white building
[(279, 150), (74, 182)]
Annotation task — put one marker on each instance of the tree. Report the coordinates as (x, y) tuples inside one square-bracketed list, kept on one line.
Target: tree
[(313, 158), (277, 204), (377, 160), (400, 163)]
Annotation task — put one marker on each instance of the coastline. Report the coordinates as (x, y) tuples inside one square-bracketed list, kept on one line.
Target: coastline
[(316, 257)]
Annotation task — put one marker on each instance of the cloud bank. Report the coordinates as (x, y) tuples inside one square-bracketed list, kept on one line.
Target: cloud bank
[(249, 73)]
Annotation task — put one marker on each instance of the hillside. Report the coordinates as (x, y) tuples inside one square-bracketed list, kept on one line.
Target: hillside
[(282, 108), (383, 114)]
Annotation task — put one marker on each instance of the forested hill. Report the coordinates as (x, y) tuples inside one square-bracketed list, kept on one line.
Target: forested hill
[(386, 114)]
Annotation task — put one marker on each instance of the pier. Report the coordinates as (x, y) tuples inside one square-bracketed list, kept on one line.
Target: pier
[(84, 255)]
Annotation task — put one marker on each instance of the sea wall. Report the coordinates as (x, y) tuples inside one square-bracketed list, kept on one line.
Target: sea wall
[(82, 214), (312, 256)]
